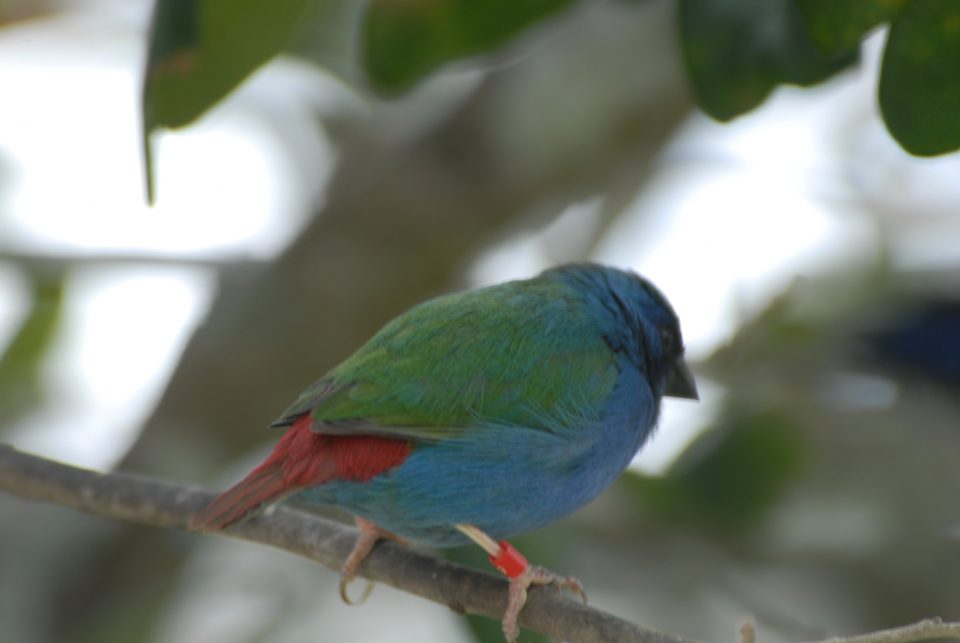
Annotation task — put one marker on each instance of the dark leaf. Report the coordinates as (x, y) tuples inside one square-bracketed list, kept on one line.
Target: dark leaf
[(840, 26), (738, 51), (920, 77), (403, 41)]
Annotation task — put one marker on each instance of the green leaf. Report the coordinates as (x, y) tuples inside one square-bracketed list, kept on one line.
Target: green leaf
[(330, 38), (838, 26), (403, 41), (21, 364), (737, 51), (920, 77), (200, 50)]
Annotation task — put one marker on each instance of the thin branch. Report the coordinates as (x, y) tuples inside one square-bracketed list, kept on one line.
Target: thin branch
[(926, 630), (121, 496)]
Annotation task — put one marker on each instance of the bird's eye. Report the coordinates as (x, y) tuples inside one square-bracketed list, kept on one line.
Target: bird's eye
[(668, 340)]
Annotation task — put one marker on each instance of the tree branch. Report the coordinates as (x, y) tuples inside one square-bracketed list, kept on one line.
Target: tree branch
[(926, 630), (121, 496)]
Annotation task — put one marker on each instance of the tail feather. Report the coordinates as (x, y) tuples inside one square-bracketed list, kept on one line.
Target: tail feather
[(301, 459), (263, 487)]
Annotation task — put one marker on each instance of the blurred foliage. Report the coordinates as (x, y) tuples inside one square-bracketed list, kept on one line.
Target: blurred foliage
[(738, 51), (840, 26), (22, 363), (919, 92), (730, 477), (405, 41), (200, 51)]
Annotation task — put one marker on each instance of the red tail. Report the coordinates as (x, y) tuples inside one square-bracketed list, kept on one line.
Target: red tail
[(301, 459)]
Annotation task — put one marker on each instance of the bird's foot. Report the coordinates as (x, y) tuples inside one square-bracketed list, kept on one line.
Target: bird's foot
[(522, 575), (369, 535), (517, 596)]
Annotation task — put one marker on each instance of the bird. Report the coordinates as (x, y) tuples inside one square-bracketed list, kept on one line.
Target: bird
[(479, 415)]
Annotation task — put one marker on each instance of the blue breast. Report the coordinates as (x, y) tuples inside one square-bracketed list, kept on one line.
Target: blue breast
[(504, 480)]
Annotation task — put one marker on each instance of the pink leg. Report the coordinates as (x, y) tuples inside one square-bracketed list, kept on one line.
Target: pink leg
[(521, 574), (369, 535)]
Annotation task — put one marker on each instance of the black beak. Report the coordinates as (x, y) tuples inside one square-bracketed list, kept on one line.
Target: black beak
[(680, 382)]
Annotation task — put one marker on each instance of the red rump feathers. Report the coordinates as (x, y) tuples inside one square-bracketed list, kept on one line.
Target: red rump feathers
[(302, 459)]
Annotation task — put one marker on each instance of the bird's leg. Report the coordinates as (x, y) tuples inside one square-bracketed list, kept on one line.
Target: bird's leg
[(521, 574), (369, 535)]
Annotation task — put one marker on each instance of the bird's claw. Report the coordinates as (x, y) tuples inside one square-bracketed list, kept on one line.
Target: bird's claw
[(345, 595), (369, 535), (517, 595)]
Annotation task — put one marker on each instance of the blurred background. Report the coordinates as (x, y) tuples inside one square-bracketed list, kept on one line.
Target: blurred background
[(814, 264)]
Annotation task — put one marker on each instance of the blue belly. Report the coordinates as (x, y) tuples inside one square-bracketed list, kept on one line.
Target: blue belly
[(504, 480)]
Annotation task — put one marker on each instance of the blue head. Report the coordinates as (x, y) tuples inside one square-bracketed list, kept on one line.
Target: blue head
[(637, 321)]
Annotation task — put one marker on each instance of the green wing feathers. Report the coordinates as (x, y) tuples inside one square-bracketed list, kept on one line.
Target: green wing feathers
[(462, 361)]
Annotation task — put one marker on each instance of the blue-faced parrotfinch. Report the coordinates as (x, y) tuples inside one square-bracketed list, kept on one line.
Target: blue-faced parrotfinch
[(478, 416)]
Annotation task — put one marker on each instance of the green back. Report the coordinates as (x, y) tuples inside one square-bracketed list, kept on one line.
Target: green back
[(524, 353)]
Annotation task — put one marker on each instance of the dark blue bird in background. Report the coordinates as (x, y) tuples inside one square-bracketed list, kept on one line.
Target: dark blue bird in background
[(924, 339)]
